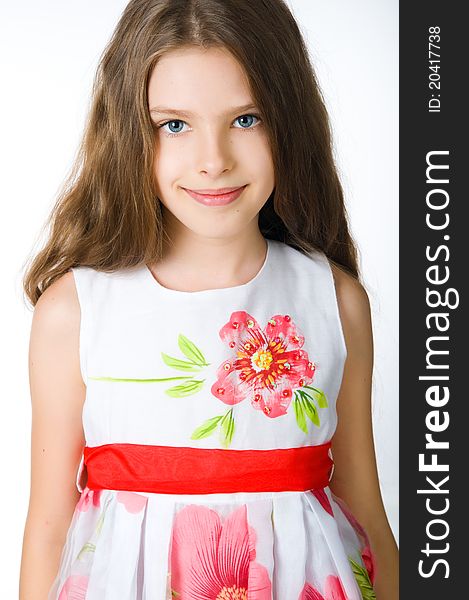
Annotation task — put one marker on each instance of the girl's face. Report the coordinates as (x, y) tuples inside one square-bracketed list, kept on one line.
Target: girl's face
[(212, 137)]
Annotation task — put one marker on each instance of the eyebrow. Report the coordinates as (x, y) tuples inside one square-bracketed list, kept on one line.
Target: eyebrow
[(186, 113)]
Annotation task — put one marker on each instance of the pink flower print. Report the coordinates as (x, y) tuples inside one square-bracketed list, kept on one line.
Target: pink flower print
[(333, 590), (310, 593), (215, 559), (322, 498), (266, 365), (132, 501), (350, 517), (366, 553), (88, 497), (369, 562), (74, 588)]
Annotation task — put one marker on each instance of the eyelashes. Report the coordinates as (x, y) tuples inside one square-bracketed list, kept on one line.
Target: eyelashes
[(170, 134)]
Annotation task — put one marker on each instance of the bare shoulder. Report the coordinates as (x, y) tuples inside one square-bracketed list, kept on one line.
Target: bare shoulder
[(54, 363), (354, 309), (54, 344), (57, 396), (58, 306)]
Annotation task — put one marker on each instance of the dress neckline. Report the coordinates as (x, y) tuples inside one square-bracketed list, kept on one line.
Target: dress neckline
[(211, 291)]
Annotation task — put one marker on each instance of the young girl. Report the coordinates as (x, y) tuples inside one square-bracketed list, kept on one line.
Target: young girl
[(201, 347)]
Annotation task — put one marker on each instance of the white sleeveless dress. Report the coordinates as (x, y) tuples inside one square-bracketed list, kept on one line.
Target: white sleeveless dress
[(153, 362)]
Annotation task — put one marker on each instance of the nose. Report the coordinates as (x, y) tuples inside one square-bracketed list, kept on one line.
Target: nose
[(214, 152)]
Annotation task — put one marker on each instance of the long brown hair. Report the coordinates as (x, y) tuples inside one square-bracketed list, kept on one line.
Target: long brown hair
[(107, 215)]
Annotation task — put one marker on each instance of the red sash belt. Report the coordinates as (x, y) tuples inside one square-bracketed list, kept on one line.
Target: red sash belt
[(186, 470)]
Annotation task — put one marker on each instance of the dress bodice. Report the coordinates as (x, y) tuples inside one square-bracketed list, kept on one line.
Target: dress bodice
[(264, 358)]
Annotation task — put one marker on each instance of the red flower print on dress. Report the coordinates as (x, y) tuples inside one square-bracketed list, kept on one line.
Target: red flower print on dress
[(322, 498), (333, 590), (88, 498), (266, 366), (215, 558), (369, 562), (74, 588), (132, 501), (366, 553)]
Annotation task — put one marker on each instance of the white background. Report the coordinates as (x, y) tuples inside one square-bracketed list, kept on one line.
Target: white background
[(48, 53)]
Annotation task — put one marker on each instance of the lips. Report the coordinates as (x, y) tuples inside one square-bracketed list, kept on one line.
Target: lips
[(216, 192), (219, 197)]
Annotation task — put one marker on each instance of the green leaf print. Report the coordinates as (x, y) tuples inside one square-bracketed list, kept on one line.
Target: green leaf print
[(227, 427), (191, 386), (180, 365), (138, 380), (206, 428), (195, 364), (88, 547), (190, 350), (319, 395), (309, 408), (99, 526), (300, 415), (303, 405), (363, 580)]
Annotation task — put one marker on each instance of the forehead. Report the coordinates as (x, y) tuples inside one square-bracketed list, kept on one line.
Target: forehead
[(194, 79)]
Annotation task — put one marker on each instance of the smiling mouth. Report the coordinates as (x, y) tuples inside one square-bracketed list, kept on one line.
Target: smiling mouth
[(216, 191), (214, 197)]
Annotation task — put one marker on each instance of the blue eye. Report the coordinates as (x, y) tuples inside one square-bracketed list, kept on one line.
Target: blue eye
[(171, 123), (248, 116), (174, 134)]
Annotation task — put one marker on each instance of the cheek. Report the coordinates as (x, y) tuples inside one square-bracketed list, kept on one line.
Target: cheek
[(167, 166), (260, 153), (261, 164)]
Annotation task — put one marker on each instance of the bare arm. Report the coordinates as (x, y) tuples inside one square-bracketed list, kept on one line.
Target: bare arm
[(355, 477), (57, 396)]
